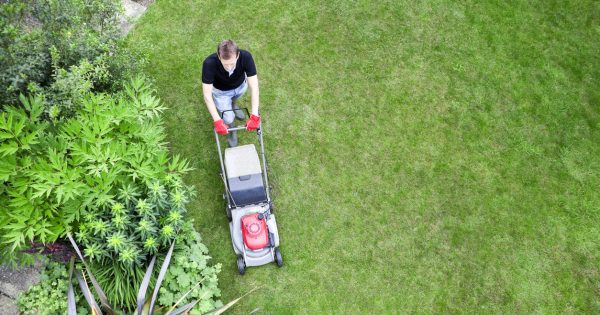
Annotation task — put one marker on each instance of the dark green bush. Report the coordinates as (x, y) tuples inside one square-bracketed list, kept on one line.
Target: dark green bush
[(42, 40)]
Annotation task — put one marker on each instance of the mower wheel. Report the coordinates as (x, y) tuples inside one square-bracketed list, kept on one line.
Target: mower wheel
[(278, 257), (241, 264)]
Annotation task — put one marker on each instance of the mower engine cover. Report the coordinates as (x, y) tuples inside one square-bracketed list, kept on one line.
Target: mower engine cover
[(255, 232)]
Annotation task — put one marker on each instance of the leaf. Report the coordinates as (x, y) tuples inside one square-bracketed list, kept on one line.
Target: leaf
[(19, 127), (179, 166), (183, 280), (24, 101), (3, 123), (71, 308), (144, 287), (97, 288), (29, 233), (16, 239), (161, 275), (186, 294), (36, 107), (230, 304), (87, 294), (9, 120), (9, 148), (7, 168), (184, 308), (30, 138), (41, 189), (6, 135), (56, 160)]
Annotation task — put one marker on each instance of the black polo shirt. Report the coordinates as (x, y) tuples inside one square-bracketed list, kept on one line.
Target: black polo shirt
[(214, 73)]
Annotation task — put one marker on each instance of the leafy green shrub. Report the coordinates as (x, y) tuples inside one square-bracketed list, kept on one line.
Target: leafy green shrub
[(119, 239), (24, 53), (78, 29), (64, 97), (48, 296), (112, 151), (23, 213), (190, 270), (42, 39)]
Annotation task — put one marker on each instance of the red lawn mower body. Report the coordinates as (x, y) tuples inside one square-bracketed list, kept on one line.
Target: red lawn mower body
[(255, 231)]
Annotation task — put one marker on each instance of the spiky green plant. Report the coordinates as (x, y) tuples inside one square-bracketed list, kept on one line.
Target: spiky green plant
[(129, 255), (156, 191), (83, 235), (100, 227), (117, 208), (116, 241), (121, 221), (143, 207), (146, 227), (134, 229), (128, 193), (167, 233), (151, 245), (174, 217), (94, 252), (178, 198)]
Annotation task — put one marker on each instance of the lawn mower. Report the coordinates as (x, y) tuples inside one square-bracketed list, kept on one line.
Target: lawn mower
[(249, 206)]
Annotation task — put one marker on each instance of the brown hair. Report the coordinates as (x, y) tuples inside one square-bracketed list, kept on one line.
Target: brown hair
[(227, 49)]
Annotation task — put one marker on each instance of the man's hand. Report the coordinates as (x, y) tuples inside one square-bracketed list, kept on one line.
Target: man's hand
[(253, 122), (220, 127)]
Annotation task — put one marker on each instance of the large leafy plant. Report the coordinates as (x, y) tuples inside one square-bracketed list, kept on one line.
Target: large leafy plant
[(24, 214), (107, 167)]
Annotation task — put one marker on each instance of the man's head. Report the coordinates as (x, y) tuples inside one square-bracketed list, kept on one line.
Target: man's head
[(228, 53)]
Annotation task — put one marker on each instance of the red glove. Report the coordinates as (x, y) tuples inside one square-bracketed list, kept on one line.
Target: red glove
[(220, 127), (253, 122)]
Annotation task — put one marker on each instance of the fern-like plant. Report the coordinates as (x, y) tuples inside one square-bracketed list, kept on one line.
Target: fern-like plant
[(104, 171)]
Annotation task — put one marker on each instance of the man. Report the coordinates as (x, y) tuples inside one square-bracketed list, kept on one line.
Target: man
[(226, 75)]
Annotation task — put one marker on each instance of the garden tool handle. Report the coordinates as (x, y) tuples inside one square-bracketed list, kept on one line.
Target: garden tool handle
[(236, 128)]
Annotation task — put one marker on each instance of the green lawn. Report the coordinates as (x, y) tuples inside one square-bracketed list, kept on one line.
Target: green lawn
[(435, 156)]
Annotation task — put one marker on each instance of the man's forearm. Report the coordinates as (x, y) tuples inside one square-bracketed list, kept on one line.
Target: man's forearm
[(254, 102), (254, 94), (210, 103), (212, 108)]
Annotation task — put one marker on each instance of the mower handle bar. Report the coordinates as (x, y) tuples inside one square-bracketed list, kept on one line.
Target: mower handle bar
[(233, 110), (236, 128)]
